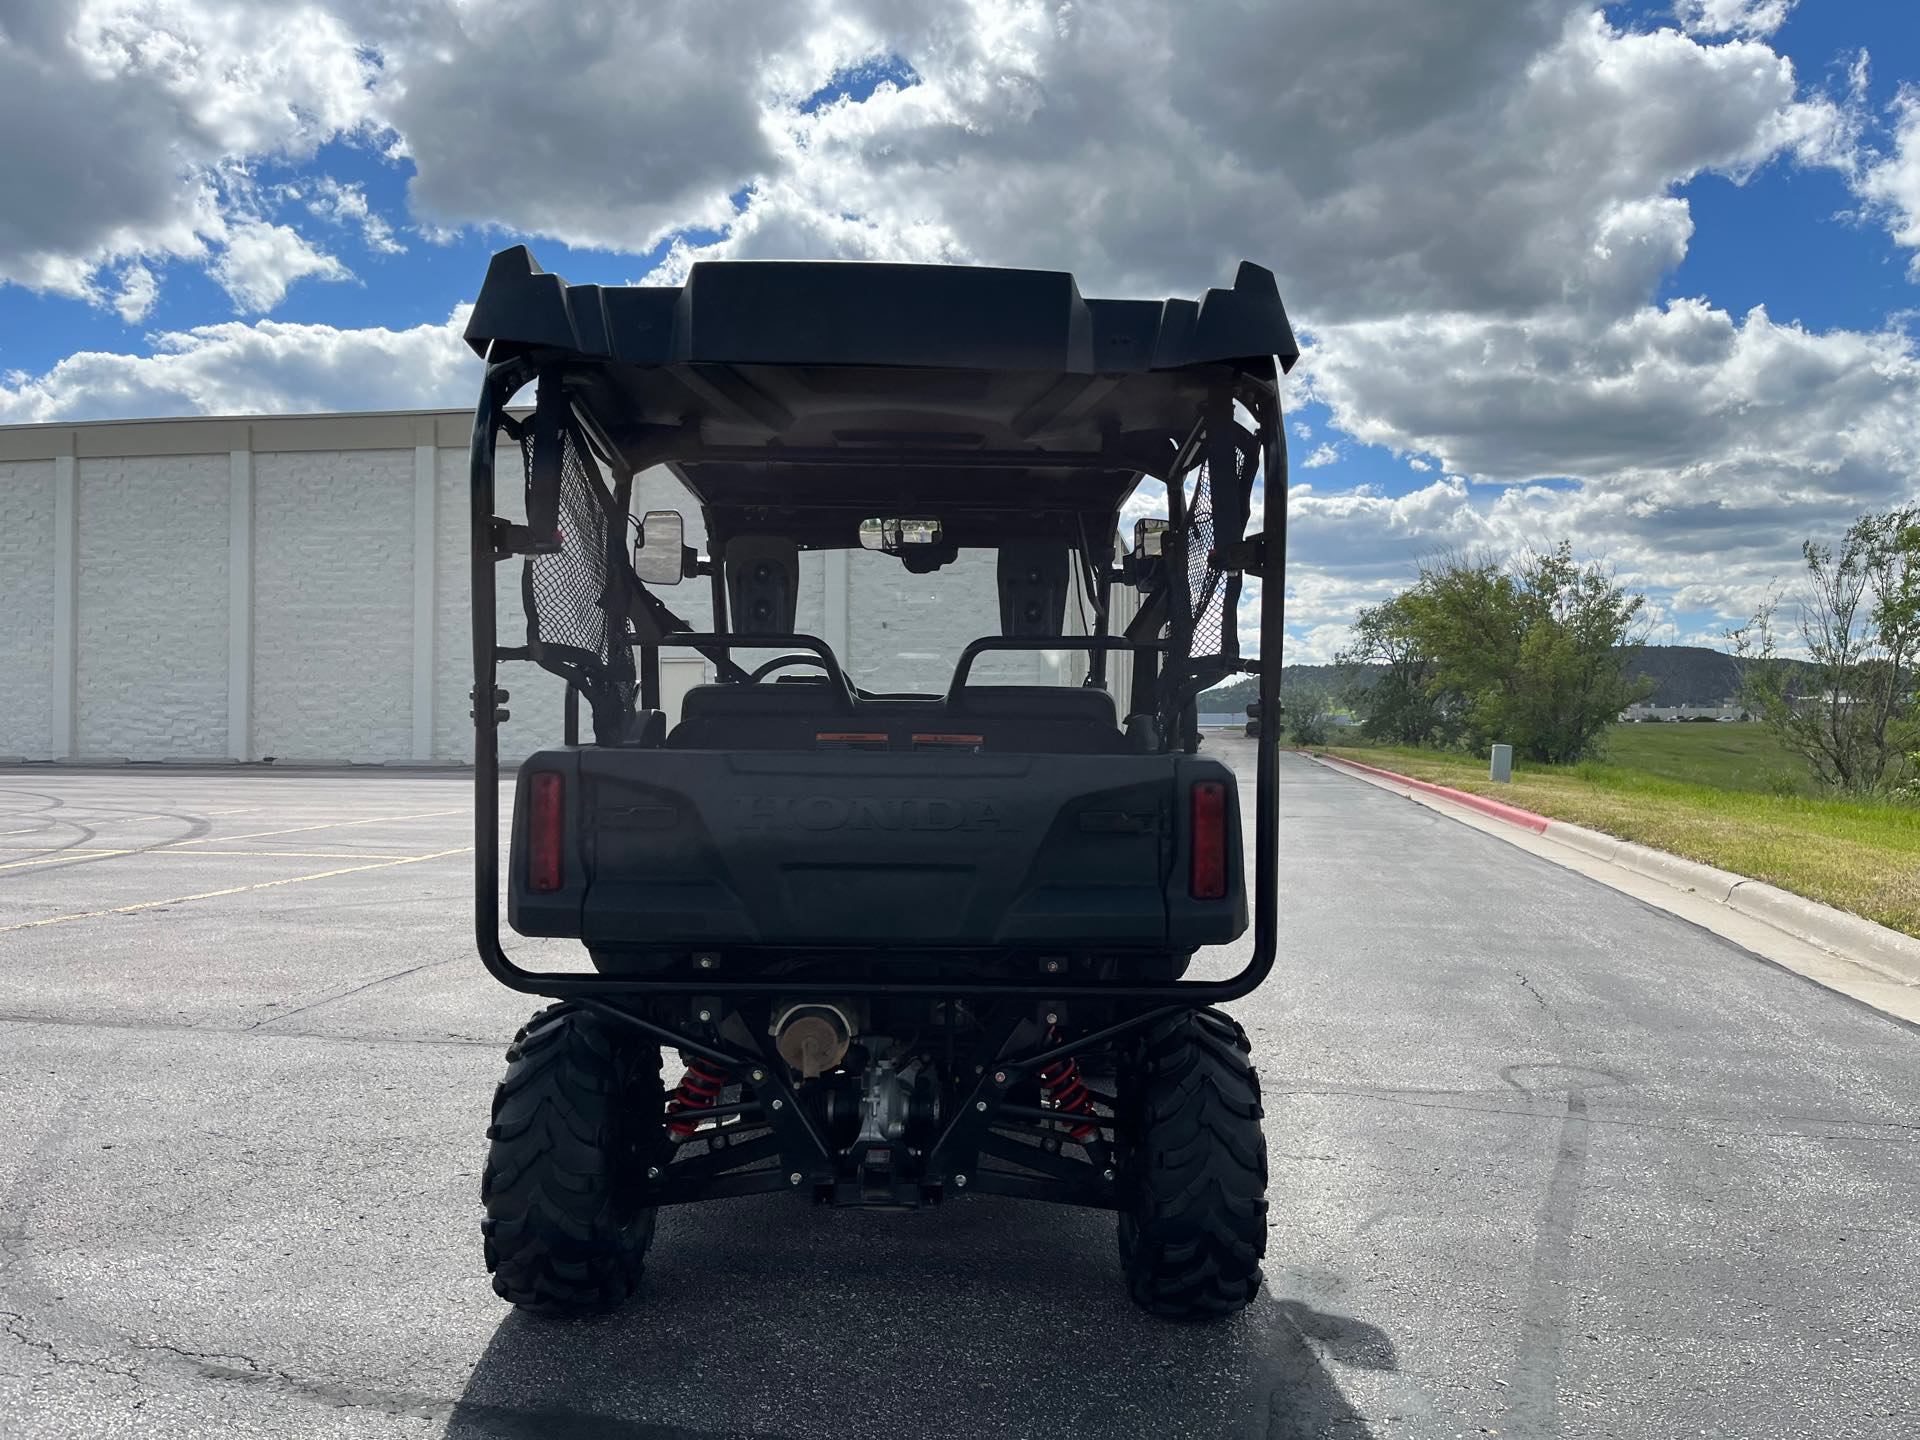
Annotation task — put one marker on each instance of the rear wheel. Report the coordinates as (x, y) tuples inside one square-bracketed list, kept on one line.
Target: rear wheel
[(576, 1122), (1194, 1228)]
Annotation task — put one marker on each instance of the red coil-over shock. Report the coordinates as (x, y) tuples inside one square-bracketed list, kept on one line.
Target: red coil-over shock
[(1060, 1082), (699, 1090)]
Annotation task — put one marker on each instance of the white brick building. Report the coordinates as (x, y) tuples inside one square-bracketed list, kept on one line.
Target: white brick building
[(296, 587)]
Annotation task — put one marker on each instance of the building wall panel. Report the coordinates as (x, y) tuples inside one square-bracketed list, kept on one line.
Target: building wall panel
[(26, 608), (151, 619), (333, 605)]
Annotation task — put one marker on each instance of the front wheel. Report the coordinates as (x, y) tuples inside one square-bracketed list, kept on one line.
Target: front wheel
[(1194, 1227), (576, 1122)]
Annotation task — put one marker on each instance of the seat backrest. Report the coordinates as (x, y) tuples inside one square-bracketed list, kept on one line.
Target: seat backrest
[(1007, 718), (1036, 702), (1045, 719), (755, 717)]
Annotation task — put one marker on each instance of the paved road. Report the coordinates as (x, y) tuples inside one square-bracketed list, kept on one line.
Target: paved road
[(1545, 1162)]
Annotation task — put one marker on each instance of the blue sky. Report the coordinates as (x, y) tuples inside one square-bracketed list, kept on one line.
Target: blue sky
[(437, 269), (1643, 275)]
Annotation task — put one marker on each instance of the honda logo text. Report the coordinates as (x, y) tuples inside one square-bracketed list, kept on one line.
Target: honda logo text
[(833, 812)]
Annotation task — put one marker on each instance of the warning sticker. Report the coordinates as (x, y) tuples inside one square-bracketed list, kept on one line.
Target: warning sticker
[(948, 742), (849, 740)]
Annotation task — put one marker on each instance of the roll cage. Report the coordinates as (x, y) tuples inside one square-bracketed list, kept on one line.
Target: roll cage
[(797, 399)]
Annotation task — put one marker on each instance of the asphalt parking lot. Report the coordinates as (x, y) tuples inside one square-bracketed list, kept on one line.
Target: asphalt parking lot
[(1545, 1162)]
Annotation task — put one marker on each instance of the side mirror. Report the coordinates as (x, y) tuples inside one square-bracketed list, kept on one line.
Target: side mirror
[(659, 549), (1144, 566), (1149, 538)]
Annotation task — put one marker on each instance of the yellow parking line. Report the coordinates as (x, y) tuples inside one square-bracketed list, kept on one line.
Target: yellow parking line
[(297, 854), (77, 850), (172, 845), (62, 855), (230, 890), (51, 820), (85, 820), (329, 825)]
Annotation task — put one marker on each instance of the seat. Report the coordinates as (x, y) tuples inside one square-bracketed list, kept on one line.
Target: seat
[(1040, 718), (1006, 718), (1036, 702), (732, 702), (756, 717)]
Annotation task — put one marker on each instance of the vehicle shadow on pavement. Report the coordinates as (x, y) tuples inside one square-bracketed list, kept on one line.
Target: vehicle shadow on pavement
[(988, 1317)]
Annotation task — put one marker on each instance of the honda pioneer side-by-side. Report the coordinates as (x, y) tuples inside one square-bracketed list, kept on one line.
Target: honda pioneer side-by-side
[(906, 940)]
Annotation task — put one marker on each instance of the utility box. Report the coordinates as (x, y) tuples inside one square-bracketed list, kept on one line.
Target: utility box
[(1502, 768)]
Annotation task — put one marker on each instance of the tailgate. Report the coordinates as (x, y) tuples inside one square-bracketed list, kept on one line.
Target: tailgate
[(696, 848)]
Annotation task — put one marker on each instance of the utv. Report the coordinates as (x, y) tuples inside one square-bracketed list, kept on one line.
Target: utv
[(907, 944)]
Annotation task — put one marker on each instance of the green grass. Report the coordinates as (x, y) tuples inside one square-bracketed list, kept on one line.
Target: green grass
[(1727, 757), (1709, 792)]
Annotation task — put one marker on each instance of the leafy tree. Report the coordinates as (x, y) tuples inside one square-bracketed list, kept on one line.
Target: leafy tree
[(1852, 715), (1531, 653), (1396, 702), (1307, 709)]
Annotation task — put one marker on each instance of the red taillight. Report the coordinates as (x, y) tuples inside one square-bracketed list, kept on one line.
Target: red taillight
[(1209, 880), (545, 828)]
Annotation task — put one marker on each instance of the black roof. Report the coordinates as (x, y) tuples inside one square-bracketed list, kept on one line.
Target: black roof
[(812, 312), (798, 397)]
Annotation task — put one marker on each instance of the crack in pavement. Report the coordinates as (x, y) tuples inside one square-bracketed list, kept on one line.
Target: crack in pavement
[(350, 992), (463, 1417), (14, 1325)]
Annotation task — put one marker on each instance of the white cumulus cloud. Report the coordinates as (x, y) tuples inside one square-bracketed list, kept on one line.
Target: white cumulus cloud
[(1733, 17), (262, 367), (346, 204), (1891, 182), (138, 292), (1473, 211), (261, 260), (123, 116)]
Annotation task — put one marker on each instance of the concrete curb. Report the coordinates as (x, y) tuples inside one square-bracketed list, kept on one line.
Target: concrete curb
[(1886, 952), (1512, 814), (1873, 947)]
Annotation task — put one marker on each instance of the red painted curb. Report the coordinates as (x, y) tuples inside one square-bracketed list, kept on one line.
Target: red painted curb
[(1512, 814)]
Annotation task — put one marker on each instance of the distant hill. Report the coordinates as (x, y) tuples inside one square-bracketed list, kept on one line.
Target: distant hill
[(1233, 697), (1686, 674), (1682, 675)]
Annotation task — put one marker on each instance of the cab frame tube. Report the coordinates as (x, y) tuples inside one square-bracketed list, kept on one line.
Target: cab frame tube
[(503, 379)]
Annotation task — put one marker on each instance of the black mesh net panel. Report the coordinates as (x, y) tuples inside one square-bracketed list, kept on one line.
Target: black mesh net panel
[(1206, 591), (1207, 638), (576, 624), (1213, 594)]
